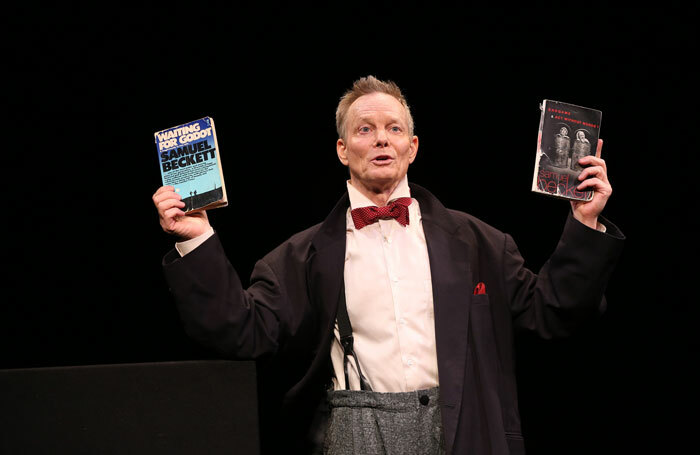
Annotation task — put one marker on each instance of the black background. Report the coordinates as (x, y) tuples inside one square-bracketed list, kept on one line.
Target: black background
[(88, 87)]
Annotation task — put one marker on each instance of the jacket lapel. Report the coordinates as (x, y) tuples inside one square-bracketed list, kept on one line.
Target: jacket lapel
[(451, 280), (325, 269)]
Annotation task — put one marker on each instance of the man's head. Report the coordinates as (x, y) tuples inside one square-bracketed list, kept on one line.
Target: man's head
[(375, 132), (366, 86)]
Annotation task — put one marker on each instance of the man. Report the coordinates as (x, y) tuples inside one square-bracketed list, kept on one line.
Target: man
[(581, 148), (561, 148), (432, 296)]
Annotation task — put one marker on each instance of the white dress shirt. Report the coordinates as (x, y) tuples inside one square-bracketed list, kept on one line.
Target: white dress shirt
[(390, 302)]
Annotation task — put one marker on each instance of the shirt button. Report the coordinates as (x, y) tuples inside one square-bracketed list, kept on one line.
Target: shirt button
[(424, 400), (409, 362)]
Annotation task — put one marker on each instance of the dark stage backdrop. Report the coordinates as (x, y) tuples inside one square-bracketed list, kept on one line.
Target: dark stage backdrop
[(82, 247)]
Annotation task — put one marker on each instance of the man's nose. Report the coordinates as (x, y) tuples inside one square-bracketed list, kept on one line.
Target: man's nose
[(382, 140)]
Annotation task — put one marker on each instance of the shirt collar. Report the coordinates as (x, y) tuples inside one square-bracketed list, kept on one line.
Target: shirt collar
[(358, 199)]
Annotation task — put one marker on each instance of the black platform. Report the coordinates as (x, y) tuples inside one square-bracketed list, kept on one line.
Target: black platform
[(198, 407)]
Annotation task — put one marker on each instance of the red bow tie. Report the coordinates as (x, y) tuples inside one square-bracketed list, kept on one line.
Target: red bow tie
[(368, 215)]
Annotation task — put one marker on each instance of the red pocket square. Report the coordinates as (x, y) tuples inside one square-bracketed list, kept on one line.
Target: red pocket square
[(480, 289)]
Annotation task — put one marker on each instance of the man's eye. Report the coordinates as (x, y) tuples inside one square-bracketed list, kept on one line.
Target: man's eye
[(364, 129), (395, 129)]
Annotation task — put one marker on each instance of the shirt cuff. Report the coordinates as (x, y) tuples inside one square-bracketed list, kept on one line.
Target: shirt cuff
[(189, 245)]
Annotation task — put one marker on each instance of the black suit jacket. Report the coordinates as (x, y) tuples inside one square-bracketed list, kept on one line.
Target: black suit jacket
[(287, 314)]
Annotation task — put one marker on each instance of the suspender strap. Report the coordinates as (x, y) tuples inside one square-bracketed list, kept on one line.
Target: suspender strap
[(346, 341)]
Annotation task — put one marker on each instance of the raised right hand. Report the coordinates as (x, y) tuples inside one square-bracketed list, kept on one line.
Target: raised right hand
[(173, 220)]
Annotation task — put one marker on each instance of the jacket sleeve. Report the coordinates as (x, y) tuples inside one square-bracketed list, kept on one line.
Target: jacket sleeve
[(569, 287), (215, 309)]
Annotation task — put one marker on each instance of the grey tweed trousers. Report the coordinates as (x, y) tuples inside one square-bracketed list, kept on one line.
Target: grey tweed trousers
[(369, 423)]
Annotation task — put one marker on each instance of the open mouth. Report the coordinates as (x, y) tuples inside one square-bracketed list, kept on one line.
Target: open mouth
[(382, 159)]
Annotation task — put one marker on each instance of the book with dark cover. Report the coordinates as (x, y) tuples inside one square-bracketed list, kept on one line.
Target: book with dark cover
[(567, 134), (190, 162)]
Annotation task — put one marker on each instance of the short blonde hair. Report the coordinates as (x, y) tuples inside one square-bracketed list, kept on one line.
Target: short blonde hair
[(366, 86)]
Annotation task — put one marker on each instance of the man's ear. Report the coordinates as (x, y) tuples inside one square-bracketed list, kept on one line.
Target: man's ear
[(414, 149), (342, 151)]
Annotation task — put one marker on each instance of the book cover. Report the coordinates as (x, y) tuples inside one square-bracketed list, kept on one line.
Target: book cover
[(190, 162), (567, 133)]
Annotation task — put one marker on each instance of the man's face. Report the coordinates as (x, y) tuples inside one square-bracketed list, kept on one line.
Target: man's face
[(377, 147)]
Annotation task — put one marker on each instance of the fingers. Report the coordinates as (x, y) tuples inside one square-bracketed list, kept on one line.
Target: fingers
[(164, 192), (591, 184), (166, 197), (169, 211), (595, 167), (166, 204), (163, 189), (593, 161), (594, 171), (595, 178), (171, 214), (595, 175), (173, 219)]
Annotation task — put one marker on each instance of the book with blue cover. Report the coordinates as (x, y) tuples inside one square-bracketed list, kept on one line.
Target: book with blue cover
[(567, 134), (190, 162)]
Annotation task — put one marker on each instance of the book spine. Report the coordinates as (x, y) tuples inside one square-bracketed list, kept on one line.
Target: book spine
[(218, 162), (538, 154)]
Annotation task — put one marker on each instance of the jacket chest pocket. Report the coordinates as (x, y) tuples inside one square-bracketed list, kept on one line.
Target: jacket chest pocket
[(482, 328)]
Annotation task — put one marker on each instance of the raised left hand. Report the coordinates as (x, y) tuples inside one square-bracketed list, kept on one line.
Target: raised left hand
[(594, 177)]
